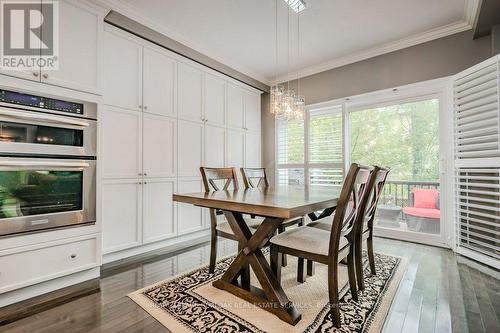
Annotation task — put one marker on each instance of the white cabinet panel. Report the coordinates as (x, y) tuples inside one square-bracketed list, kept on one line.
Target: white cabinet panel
[(252, 150), (159, 146), (235, 106), (215, 149), (252, 111), (236, 151), (122, 77), (159, 83), (79, 46), (190, 218), (30, 265), (190, 152), (121, 143), (158, 208), (190, 91), (215, 100), (121, 215), (235, 148)]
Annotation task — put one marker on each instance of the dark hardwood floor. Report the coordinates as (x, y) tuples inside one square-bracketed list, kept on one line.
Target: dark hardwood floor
[(440, 292)]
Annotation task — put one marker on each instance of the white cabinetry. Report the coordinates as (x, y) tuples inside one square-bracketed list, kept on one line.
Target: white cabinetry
[(214, 144), (121, 143), (158, 209), (159, 73), (79, 47), (190, 93), (159, 146), (252, 111), (190, 218), (122, 71), (190, 153), (235, 107), (166, 117), (121, 214), (215, 100)]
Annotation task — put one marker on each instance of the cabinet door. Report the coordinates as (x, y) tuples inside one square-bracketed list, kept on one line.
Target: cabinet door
[(159, 146), (236, 151), (122, 72), (252, 149), (121, 214), (252, 111), (121, 143), (190, 93), (79, 44), (215, 100), (158, 208), (215, 149), (190, 218), (159, 83), (190, 153), (235, 106)]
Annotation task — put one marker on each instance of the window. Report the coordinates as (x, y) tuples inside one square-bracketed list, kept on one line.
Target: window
[(317, 160)]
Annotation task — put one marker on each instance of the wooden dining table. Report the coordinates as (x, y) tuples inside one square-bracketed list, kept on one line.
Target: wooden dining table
[(276, 205)]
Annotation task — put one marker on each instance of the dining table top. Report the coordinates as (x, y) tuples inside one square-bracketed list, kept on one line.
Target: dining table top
[(280, 202)]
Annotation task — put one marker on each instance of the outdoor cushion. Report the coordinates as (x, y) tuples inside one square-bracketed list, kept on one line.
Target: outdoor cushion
[(431, 213), (307, 239), (425, 198)]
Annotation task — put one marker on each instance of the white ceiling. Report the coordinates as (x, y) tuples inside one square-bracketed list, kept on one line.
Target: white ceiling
[(241, 33)]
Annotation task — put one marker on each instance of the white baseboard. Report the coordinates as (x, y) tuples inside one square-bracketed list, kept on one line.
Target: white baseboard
[(168, 245), (48, 286)]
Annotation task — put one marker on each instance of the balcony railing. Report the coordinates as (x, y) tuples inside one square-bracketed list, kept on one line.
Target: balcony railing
[(397, 192)]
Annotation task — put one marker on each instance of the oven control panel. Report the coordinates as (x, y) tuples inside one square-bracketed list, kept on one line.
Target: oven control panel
[(16, 98)]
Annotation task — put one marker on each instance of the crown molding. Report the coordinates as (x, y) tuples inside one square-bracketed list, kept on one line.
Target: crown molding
[(471, 12), (133, 14)]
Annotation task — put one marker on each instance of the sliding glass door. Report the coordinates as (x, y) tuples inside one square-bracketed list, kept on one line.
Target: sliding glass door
[(404, 136)]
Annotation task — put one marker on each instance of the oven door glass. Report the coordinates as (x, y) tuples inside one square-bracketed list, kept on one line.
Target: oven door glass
[(30, 192), (39, 134)]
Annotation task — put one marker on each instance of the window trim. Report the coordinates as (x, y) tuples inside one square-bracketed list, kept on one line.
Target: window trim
[(307, 166)]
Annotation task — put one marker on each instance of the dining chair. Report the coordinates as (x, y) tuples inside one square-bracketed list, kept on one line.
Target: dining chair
[(330, 248), (366, 227), (211, 176), (257, 178)]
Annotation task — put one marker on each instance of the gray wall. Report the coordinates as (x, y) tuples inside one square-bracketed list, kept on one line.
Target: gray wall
[(438, 58)]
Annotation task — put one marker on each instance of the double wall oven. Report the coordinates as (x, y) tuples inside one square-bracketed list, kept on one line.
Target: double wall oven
[(47, 163)]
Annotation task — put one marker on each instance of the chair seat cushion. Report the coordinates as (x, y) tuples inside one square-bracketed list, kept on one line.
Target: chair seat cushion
[(307, 239), (252, 223), (323, 225)]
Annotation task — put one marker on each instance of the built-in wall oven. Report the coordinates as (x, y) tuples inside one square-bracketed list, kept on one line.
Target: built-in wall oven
[(47, 163)]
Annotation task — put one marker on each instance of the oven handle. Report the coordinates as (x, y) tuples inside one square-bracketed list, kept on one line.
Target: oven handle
[(42, 116), (64, 164)]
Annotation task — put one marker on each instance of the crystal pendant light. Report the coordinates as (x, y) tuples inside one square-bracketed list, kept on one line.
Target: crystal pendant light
[(285, 104)]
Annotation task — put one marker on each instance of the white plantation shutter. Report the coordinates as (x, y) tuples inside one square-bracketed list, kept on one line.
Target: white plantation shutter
[(477, 161)]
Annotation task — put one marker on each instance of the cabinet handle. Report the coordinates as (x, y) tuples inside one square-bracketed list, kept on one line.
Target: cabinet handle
[(145, 183), (145, 174), (73, 256), (140, 174), (140, 183), (145, 107), (45, 76), (140, 106), (35, 74)]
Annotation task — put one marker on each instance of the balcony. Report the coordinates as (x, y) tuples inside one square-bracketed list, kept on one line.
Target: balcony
[(409, 206)]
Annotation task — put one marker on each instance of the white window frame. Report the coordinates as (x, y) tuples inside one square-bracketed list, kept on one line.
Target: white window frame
[(438, 88), (307, 165)]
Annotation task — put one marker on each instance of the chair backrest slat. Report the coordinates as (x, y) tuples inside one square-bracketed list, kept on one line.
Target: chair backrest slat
[(254, 174), (210, 175), (376, 193)]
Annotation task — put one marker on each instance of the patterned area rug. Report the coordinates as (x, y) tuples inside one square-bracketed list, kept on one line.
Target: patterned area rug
[(189, 302)]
